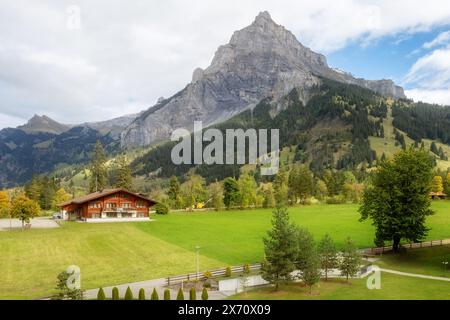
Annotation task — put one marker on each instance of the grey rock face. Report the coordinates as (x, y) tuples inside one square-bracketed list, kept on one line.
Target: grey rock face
[(261, 60)]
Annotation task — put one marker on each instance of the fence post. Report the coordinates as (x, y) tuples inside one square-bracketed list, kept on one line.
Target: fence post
[(188, 277), (168, 281)]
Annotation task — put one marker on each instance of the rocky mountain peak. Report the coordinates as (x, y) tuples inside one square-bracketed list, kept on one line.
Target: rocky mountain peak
[(261, 60), (43, 124)]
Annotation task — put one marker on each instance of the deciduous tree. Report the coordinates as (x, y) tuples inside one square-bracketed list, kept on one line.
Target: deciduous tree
[(398, 199), (24, 209)]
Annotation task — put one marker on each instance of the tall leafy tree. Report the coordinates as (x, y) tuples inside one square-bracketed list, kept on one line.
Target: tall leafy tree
[(98, 168), (350, 260), (398, 199), (194, 190), (328, 254), (231, 193), (216, 195), (281, 187), (124, 179), (247, 190), (301, 183), (280, 249), (174, 193), (24, 209)]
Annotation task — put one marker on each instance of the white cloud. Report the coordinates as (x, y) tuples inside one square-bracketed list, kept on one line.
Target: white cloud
[(431, 96), (442, 38), (127, 55)]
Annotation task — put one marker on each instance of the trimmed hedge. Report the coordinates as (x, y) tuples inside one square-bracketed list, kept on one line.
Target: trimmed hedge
[(167, 294), (128, 294), (154, 295), (205, 294), (180, 295), (192, 294), (101, 294), (115, 293), (142, 294)]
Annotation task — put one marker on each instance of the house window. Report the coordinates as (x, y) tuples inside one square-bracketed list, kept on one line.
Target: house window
[(111, 205), (140, 204), (95, 205), (141, 215), (126, 205)]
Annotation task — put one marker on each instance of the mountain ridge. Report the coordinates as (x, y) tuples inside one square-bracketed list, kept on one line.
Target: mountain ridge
[(261, 60)]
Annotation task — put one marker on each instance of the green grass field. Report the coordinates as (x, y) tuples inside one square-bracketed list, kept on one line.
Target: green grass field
[(116, 253), (393, 287), (423, 261)]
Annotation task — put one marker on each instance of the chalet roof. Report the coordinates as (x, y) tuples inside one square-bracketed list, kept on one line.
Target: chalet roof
[(100, 194)]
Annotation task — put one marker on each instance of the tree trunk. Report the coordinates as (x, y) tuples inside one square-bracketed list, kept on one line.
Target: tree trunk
[(396, 244), (326, 274), (22, 225)]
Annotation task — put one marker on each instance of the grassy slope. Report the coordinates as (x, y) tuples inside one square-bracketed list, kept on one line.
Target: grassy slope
[(392, 287), (120, 252), (423, 261)]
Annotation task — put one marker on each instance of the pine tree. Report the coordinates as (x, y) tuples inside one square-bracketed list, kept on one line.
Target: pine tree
[(328, 254), (180, 295), (101, 294), (33, 189), (128, 294), (350, 260), (123, 177), (305, 247), (99, 174), (154, 295), (115, 293), (174, 193), (141, 294), (231, 192), (280, 250), (311, 270)]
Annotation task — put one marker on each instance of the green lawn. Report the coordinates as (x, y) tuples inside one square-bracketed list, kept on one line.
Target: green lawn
[(393, 287), (116, 253), (423, 261)]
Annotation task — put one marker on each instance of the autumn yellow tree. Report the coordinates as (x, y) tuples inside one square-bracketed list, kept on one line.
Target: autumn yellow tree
[(24, 209), (5, 204), (437, 185), (60, 196)]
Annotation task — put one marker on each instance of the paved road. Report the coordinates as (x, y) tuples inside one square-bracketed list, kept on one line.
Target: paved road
[(38, 223), (148, 286), (414, 275)]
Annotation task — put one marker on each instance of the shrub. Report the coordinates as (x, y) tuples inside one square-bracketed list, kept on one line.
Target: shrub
[(154, 295), (204, 294), (161, 209), (207, 285), (228, 272), (192, 294), (247, 268), (180, 295), (207, 275), (335, 200), (167, 294), (128, 294), (115, 293), (101, 294), (142, 294)]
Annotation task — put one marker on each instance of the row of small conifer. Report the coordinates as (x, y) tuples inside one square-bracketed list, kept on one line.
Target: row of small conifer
[(154, 296)]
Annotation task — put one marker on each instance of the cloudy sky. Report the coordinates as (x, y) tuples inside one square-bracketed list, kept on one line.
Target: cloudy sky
[(79, 61)]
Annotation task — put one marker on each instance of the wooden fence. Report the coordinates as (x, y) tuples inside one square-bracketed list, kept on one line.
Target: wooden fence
[(425, 244), (215, 273)]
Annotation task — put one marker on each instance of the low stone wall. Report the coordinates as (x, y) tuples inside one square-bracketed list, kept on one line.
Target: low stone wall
[(236, 285)]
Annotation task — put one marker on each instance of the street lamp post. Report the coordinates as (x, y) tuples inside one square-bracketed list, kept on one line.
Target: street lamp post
[(197, 248), (445, 263)]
